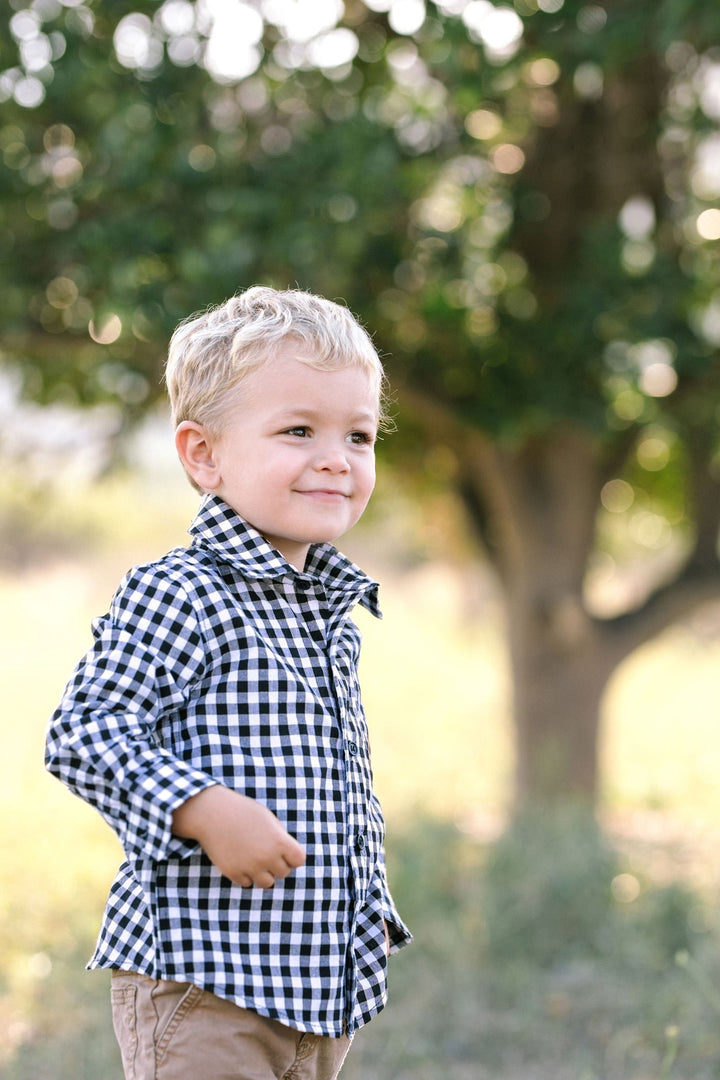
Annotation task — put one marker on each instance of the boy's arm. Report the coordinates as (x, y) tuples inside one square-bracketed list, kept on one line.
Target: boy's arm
[(102, 742), (102, 747), (244, 839)]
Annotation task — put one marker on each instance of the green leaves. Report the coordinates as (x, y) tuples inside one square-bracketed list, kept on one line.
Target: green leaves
[(460, 186)]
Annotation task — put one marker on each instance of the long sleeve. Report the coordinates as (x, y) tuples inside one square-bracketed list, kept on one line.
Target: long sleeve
[(104, 740)]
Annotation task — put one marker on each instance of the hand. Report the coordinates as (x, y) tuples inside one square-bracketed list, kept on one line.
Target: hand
[(244, 839)]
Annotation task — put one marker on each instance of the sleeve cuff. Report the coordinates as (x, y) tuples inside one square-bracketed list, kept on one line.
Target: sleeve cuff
[(147, 833)]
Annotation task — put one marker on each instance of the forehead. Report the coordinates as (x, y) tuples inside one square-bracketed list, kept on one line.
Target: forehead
[(291, 378)]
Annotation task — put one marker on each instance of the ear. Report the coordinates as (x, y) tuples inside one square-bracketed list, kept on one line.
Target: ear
[(195, 450)]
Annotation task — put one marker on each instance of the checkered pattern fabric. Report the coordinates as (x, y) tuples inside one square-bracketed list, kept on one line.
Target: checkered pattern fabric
[(221, 663)]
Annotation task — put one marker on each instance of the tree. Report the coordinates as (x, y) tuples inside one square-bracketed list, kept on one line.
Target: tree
[(518, 201)]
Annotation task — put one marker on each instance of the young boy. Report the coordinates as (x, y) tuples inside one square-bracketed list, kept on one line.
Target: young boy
[(217, 725)]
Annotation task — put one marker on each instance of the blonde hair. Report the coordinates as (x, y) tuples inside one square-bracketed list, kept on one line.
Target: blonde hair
[(212, 352)]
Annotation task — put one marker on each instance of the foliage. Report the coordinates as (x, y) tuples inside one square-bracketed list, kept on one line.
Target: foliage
[(548, 889), (467, 237), (554, 890), (518, 201), (456, 1010)]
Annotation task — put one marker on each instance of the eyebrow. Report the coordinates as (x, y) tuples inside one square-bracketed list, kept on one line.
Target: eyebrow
[(295, 412)]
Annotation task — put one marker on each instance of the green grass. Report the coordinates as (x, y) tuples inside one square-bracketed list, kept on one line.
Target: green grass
[(487, 990)]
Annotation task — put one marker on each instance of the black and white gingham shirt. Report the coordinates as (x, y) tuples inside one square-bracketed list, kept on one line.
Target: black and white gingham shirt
[(222, 663)]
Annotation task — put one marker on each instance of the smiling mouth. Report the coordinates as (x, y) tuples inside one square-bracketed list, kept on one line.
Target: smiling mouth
[(324, 493)]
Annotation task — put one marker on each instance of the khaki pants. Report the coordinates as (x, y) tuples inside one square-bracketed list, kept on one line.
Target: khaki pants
[(176, 1031)]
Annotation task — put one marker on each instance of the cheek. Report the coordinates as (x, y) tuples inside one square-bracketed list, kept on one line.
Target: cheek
[(277, 467), (369, 478)]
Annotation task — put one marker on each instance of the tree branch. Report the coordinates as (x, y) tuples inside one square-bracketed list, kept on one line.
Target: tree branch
[(483, 481), (666, 605)]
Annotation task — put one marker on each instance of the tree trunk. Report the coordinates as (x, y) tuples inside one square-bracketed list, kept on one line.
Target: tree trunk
[(534, 509), (559, 675), (536, 506)]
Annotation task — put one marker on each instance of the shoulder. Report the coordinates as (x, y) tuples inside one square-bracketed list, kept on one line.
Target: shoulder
[(185, 584), (169, 573), (169, 588), (154, 621)]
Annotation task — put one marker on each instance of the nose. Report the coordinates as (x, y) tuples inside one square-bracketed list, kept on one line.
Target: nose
[(332, 457)]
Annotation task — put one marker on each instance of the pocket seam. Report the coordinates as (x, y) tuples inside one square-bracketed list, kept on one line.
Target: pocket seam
[(125, 998), (186, 1004)]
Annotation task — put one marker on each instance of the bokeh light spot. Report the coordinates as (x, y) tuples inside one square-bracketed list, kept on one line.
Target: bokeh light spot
[(637, 256), (708, 224), (106, 330), (483, 124), (617, 496), (67, 171), (276, 140), (58, 136), (653, 453), (333, 49), (589, 81), (25, 25), (29, 92), (542, 72), (176, 17), (706, 322), (498, 28), (629, 404), (658, 380), (342, 207), (136, 46), (625, 888), (39, 965), (36, 53), (406, 16), (482, 321), (649, 530), (637, 217), (62, 292), (233, 49), (61, 214), (705, 172), (202, 158), (299, 20), (507, 158), (591, 18), (708, 80)]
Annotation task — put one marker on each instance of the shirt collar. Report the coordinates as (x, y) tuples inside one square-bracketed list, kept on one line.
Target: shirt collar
[(217, 527)]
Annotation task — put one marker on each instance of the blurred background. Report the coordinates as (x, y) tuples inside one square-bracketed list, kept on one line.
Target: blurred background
[(521, 202)]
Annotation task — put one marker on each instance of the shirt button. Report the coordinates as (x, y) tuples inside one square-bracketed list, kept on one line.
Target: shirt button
[(360, 842), (352, 749)]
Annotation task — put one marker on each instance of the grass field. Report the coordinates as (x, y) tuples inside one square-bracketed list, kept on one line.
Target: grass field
[(436, 692)]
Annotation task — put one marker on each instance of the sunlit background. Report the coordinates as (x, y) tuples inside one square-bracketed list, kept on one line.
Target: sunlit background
[(521, 202)]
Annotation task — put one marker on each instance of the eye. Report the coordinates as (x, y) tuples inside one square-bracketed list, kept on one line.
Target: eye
[(301, 431), (362, 438)]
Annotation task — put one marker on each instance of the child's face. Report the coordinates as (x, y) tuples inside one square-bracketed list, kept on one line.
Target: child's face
[(296, 458)]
